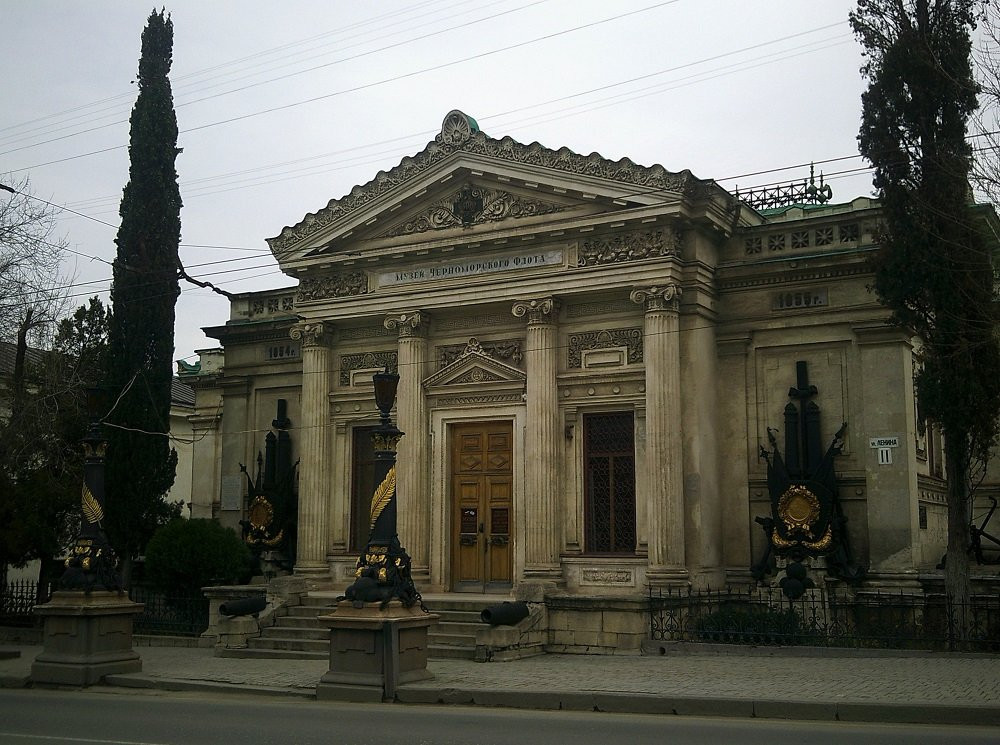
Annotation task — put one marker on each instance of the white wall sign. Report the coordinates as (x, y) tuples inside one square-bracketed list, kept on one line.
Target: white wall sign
[(472, 267), (884, 445)]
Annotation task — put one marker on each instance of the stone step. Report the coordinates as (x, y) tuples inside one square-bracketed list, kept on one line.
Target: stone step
[(456, 616), (292, 632), (252, 653), (451, 652), (453, 640), (467, 629), (307, 611), (303, 645), (298, 622)]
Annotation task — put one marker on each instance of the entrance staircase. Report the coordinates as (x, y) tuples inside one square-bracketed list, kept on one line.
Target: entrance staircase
[(296, 634)]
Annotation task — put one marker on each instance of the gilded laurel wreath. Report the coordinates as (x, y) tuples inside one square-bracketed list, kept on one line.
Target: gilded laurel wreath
[(92, 511), (382, 495)]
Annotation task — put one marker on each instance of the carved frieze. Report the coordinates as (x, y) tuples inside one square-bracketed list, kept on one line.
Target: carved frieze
[(365, 361), (649, 244), (493, 206), (334, 285), (508, 350), (459, 132), (630, 338)]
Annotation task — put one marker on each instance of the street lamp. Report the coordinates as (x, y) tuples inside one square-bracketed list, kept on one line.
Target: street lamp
[(383, 570), (92, 563)]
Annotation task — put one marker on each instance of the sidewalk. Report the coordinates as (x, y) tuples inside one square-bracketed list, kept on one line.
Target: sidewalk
[(929, 689)]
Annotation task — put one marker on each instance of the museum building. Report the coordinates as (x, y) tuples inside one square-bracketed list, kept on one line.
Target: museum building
[(592, 354)]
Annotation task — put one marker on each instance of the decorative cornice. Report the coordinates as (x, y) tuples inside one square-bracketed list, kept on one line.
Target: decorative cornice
[(658, 297), (790, 277), (311, 334), (332, 285), (541, 310), (460, 132), (366, 361), (509, 349), (630, 338), (650, 244), (410, 323)]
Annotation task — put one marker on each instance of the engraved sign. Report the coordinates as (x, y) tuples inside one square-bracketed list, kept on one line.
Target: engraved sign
[(232, 492), (800, 299), (472, 267)]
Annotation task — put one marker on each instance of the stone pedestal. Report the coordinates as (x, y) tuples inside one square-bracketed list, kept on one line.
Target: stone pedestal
[(372, 651), (87, 636)]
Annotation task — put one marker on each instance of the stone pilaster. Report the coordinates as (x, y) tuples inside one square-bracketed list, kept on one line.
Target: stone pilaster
[(543, 526), (413, 456), (664, 449), (314, 456)]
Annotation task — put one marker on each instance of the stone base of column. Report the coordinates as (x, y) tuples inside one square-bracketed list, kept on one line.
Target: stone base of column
[(668, 577), (708, 578), (538, 580), (87, 637), (311, 569), (374, 650)]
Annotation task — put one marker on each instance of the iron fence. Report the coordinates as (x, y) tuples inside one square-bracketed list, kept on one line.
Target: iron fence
[(826, 618), (182, 615), (18, 598)]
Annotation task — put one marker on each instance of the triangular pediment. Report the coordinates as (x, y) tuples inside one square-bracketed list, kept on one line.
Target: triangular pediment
[(475, 368), (505, 181)]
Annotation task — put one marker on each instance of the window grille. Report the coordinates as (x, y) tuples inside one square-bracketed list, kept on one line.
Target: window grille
[(609, 461)]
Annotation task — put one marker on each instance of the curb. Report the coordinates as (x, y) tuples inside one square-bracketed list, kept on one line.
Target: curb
[(133, 680), (631, 703)]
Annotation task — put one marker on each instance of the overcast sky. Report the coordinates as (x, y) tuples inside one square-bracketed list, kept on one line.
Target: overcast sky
[(283, 106)]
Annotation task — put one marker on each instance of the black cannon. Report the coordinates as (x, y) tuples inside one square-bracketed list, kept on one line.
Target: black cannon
[(250, 606), (505, 614)]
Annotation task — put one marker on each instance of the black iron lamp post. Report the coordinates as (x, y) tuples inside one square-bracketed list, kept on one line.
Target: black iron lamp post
[(92, 563), (383, 571)]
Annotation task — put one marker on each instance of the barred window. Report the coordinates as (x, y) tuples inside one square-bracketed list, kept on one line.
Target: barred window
[(609, 463)]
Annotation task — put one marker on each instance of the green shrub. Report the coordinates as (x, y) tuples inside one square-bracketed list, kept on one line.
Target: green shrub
[(185, 555)]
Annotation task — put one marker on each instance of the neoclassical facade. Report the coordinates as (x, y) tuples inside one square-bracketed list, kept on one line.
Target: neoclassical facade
[(590, 356)]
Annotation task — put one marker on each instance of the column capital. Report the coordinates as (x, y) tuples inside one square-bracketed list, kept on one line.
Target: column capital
[(311, 333), (658, 297), (408, 323), (540, 310)]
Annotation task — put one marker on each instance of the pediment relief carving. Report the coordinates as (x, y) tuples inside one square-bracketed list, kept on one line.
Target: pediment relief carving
[(460, 133), (475, 367), (472, 205)]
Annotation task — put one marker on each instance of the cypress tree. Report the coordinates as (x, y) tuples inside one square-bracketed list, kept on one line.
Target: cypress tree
[(140, 461), (934, 268)]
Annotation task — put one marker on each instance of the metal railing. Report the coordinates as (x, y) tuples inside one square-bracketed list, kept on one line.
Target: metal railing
[(825, 618), (181, 615), (18, 598)]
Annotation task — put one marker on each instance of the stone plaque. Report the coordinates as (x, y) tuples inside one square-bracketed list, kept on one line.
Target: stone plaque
[(232, 492)]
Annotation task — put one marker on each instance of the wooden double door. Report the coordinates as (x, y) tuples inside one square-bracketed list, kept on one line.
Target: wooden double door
[(482, 512)]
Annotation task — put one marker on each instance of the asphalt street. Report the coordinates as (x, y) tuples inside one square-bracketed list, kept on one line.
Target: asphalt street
[(117, 717)]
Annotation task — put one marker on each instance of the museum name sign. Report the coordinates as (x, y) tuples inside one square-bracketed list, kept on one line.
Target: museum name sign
[(472, 267)]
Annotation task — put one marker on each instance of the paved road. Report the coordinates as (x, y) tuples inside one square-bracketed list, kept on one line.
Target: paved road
[(112, 716)]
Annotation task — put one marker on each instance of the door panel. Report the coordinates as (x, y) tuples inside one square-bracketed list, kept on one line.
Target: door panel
[(482, 507)]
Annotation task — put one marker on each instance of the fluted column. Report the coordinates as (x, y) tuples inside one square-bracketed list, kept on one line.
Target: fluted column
[(413, 456), (543, 540), (664, 450), (313, 518)]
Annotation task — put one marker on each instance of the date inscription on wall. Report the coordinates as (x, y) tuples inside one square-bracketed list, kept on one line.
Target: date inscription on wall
[(799, 299)]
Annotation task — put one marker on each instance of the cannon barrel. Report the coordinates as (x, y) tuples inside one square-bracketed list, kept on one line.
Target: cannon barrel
[(505, 614), (250, 606)]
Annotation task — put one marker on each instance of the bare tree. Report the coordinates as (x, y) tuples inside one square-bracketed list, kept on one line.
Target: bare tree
[(985, 125), (32, 294)]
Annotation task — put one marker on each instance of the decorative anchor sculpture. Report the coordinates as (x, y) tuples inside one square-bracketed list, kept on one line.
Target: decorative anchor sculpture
[(806, 519), (383, 570), (271, 504)]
